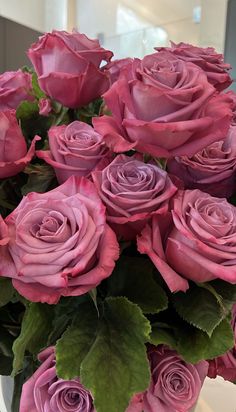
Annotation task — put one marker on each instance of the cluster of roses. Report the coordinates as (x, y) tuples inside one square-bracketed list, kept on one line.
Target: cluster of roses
[(168, 108)]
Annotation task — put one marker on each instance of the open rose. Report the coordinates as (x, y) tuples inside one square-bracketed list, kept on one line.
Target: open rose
[(114, 68), (196, 242), (132, 192), (211, 170), (13, 149), (207, 58), (165, 107), (175, 385), (75, 149), (67, 66), (45, 392), (225, 365), (60, 244), (232, 95), (14, 88)]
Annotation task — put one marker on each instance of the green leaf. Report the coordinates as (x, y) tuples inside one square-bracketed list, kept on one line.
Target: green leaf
[(76, 342), (162, 334), (133, 278), (199, 307), (26, 109), (116, 366), (38, 93), (226, 291), (35, 328), (6, 291), (195, 345), (39, 180)]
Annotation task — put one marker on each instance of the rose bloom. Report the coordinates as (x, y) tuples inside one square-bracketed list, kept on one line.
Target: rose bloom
[(175, 385), (165, 107), (114, 68), (225, 365), (45, 392), (45, 107), (197, 241), (232, 96), (68, 67), (13, 149), (60, 244), (207, 59), (14, 88), (76, 149), (132, 192), (211, 170)]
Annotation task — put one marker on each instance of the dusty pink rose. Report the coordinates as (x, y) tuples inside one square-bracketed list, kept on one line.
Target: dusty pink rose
[(45, 392), (197, 241), (115, 66), (132, 192), (225, 365), (232, 95), (175, 385), (60, 244), (165, 107), (14, 88), (68, 67), (76, 149), (207, 59), (13, 149), (45, 107), (211, 170)]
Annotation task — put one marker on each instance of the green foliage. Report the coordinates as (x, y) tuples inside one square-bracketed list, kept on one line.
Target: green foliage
[(38, 93), (6, 291), (110, 353), (133, 278), (201, 308), (40, 178), (36, 325)]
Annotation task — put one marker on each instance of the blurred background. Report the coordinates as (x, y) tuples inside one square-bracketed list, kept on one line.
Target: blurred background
[(127, 27)]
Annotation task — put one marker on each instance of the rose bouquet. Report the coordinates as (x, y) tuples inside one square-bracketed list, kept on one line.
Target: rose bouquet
[(117, 227)]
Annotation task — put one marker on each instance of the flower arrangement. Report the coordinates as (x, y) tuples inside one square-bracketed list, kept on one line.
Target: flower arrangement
[(117, 227)]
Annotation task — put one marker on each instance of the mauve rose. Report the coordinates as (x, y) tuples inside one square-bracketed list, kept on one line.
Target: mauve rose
[(67, 65), (132, 192), (60, 244), (45, 107), (207, 59), (211, 170), (196, 242), (232, 95), (13, 149), (45, 392), (175, 385), (225, 365), (114, 68), (76, 149), (165, 107), (14, 88)]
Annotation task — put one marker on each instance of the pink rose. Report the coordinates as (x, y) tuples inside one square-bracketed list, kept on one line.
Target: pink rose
[(196, 242), (60, 244), (132, 192), (225, 365), (45, 107), (76, 149), (13, 149), (165, 107), (207, 59), (45, 392), (232, 95), (14, 88), (114, 68), (175, 385), (67, 66), (211, 170)]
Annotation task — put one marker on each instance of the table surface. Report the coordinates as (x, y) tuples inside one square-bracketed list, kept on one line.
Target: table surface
[(217, 395)]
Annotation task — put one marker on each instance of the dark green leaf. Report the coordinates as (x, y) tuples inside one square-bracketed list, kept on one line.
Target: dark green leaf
[(36, 326), (226, 291), (116, 366), (195, 345), (133, 278), (163, 334), (39, 180), (76, 342), (38, 93), (5, 365), (6, 291), (199, 307)]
